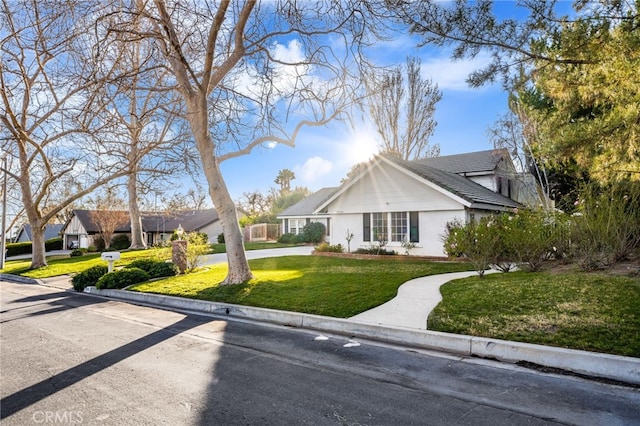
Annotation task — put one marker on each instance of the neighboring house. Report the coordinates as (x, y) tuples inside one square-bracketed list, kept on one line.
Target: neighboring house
[(393, 201), (50, 231), (295, 217), (80, 230)]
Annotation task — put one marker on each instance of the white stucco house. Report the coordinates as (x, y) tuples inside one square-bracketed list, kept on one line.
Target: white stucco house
[(81, 230), (395, 201)]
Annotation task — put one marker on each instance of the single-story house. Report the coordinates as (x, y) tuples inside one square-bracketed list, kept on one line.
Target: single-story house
[(80, 230), (394, 201), (295, 217), (52, 230)]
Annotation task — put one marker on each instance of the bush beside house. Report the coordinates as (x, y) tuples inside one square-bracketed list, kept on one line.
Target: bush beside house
[(605, 230)]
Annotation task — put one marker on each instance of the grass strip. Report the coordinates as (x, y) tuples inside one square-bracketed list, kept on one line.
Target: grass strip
[(587, 311)]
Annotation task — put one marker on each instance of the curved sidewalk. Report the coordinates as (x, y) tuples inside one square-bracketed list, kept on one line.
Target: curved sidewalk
[(413, 304)]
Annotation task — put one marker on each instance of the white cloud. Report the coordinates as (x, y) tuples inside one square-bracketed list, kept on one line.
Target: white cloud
[(452, 75), (313, 169)]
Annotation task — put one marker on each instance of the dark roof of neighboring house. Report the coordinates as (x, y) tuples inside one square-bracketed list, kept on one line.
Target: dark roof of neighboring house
[(464, 188), (308, 205), (191, 220), (52, 230), (470, 162)]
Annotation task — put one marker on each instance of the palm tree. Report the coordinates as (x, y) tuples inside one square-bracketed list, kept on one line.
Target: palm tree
[(284, 178)]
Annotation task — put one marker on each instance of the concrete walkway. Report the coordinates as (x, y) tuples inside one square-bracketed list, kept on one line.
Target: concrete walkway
[(413, 304), (212, 259)]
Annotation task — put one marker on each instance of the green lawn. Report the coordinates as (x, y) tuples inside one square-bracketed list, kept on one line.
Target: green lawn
[(577, 310), (65, 265), (313, 284)]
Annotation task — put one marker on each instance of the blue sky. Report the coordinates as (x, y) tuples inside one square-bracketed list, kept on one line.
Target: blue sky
[(323, 156)]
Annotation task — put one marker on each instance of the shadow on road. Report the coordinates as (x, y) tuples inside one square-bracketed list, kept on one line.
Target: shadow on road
[(34, 393)]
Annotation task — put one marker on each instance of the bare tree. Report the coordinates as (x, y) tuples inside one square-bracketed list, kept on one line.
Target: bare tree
[(252, 73), (52, 107), (183, 201), (403, 112), (515, 132), (109, 215), (255, 203), (148, 133)]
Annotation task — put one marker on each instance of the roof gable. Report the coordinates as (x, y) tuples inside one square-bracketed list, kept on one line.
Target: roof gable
[(454, 183)]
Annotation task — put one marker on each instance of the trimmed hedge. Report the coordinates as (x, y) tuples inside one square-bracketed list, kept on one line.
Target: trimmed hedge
[(122, 278), (88, 277), (155, 268), (15, 249)]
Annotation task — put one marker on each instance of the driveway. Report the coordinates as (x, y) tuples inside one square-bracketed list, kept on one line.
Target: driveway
[(212, 259)]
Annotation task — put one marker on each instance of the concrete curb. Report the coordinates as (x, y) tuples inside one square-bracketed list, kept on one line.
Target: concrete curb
[(18, 279), (614, 367)]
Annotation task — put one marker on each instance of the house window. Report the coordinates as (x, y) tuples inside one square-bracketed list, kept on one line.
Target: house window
[(296, 225), (391, 226), (379, 227), (366, 227), (398, 226)]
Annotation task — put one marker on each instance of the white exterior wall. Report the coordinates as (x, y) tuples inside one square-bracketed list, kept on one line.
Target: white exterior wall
[(389, 190), (74, 231), (431, 228), (488, 181), (212, 230), (386, 189)]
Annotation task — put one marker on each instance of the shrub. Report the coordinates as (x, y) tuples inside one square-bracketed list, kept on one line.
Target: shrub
[(607, 224), (376, 250), (198, 245), (529, 236), (328, 248), (92, 249), (120, 242), (53, 244), (122, 278), (88, 277), (476, 240), (99, 243), (163, 269), (314, 232), (155, 268), (288, 238), (221, 238), (76, 252), (15, 249)]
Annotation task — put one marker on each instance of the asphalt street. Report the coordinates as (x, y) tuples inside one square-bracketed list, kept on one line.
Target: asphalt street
[(71, 358)]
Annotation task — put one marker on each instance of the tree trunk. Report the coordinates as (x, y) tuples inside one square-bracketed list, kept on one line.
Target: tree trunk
[(137, 239), (38, 259), (239, 271)]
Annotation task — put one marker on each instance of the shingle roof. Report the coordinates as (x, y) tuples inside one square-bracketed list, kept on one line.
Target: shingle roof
[(52, 230), (308, 205), (456, 184), (471, 162), (191, 220)]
